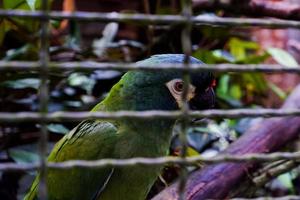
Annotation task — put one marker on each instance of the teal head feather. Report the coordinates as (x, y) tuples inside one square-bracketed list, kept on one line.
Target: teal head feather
[(147, 90)]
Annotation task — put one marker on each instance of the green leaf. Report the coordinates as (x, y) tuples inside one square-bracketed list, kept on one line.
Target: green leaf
[(235, 91), (282, 57), (278, 91), (27, 51), (82, 81), (13, 4), (28, 25), (286, 180), (21, 4), (238, 48), (223, 85), (245, 44), (205, 55), (58, 128), (255, 59), (21, 156), (23, 83), (257, 80), (223, 56), (31, 4), (230, 101)]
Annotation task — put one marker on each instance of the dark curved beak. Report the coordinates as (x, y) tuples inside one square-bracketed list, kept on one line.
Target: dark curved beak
[(203, 100)]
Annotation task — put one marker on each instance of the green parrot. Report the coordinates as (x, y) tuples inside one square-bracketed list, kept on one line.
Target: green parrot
[(125, 138)]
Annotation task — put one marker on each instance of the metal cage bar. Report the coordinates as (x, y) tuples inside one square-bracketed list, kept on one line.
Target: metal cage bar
[(44, 66), (79, 116), (254, 157), (43, 98), (152, 19), (91, 65), (185, 111)]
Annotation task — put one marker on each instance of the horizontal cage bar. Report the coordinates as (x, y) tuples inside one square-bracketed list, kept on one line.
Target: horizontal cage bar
[(152, 19), (79, 116), (254, 157), (91, 65), (149, 19)]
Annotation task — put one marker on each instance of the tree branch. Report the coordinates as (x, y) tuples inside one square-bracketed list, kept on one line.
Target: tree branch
[(218, 181), (273, 172), (278, 9)]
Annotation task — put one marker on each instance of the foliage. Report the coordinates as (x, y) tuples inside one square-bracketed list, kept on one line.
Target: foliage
[(21, 26), (80, 91)]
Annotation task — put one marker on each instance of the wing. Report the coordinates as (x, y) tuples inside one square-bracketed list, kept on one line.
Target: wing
[(90, 140)]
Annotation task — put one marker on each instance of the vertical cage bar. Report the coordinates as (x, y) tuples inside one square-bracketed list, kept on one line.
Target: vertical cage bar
[(43, 98), (186, 47)]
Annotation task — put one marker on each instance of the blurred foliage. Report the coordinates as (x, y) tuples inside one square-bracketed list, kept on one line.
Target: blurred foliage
[(20, 26), (282, 57), (78, 91)]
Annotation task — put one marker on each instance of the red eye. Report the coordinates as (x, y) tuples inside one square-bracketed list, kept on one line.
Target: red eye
[(213, 83), (178, 86)]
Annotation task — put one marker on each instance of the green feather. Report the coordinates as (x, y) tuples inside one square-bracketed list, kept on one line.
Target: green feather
[(120, 138)]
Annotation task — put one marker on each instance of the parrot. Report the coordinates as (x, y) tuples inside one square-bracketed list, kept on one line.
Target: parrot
[(122, 138)]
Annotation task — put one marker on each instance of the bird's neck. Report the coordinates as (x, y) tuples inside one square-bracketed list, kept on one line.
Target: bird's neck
[(117, 101)]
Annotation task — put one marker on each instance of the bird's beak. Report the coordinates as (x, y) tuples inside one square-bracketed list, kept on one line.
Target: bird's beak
[(203, 100)]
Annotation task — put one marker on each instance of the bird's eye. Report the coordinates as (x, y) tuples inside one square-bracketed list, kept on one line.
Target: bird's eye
[(178, 86)]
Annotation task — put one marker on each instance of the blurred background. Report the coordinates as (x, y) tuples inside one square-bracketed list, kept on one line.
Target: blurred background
[(120, 42)]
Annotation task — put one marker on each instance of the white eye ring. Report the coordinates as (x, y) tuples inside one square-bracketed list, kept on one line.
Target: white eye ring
[(175, 87), (178, 86)]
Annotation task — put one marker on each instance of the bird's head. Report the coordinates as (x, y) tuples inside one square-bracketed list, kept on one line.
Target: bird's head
[(161, 90)]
